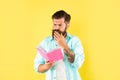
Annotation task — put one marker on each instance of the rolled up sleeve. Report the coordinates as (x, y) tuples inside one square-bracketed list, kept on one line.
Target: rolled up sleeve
[(37, 61), (79, 53)]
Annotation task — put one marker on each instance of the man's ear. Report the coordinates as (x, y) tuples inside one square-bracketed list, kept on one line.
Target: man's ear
[(68, 24)]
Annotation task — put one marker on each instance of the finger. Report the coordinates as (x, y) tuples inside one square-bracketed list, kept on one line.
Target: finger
[(61, 35), (57, 33), (64, 35), (57, 36), (56, 39), (47, 60), (52, 61)]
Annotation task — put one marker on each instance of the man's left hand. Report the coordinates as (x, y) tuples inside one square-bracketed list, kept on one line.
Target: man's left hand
[(60, 39)]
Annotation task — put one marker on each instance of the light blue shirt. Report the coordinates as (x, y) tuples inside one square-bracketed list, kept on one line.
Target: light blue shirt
[(71, 69)]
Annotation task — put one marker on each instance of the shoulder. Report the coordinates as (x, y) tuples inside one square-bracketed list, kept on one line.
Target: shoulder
[(74, 42), (46, 40), (73, 37)]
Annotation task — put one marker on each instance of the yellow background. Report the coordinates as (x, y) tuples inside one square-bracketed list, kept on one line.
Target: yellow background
[(24, 23)]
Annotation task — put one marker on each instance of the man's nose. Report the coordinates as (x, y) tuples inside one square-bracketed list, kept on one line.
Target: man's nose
[(56, 27)]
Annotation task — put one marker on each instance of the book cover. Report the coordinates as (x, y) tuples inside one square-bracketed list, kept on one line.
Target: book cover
[(53, 55)]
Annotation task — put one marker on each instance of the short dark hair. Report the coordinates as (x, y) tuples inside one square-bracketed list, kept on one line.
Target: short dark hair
[(61, 14)]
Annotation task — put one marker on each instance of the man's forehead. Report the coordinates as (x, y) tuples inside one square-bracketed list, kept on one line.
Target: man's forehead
[(61, 20)]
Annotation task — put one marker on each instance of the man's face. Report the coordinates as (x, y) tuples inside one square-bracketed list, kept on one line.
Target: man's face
[(60, 26)]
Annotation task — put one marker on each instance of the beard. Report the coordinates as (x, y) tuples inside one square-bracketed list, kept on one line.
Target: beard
[(60, 32)]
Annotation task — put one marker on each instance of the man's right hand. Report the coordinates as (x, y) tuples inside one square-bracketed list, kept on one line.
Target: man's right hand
[(46, 66), (49, 64)]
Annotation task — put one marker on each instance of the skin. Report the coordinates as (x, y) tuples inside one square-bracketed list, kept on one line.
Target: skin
[(61, 25)]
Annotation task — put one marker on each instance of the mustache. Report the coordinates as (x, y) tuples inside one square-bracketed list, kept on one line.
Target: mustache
[(63, 33)]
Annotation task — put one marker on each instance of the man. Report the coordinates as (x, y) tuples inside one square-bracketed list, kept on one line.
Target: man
[(66, 69)]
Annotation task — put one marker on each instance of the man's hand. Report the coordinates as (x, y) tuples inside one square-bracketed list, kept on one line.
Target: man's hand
[(46, 66), (60, 39), (49, 64)]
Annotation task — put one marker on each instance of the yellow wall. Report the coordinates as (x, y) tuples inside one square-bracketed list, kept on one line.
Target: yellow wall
[(24, 23)]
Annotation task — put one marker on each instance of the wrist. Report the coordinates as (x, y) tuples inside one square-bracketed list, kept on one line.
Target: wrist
[(66, 50), (65, 47)]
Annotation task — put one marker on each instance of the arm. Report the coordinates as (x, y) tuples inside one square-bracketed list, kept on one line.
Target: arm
[(75, 54), (79, 52), (60, 39), (70, 54), (40, 65), (44, 67)]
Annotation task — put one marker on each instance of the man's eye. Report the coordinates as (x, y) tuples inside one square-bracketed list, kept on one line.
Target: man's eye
[(60, 25), (54, 24)]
